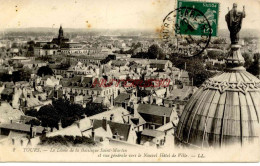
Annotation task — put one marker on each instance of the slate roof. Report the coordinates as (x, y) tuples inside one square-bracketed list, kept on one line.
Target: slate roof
[(21, 127), (7, 113), (72, 130), (181, 93), (152, 133), (167, 126), (184, 74), (7, 91), (32, 102), (25, 118), (118, 63), (118, 113), (65, 82), (51, 94), (116, 128), (154, 110), (84, 124), (87, 80), (75, 79), (99, 100), (9, 84), (122, 97)]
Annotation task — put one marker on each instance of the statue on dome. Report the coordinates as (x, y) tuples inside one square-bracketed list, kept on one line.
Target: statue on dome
[(234, 22)]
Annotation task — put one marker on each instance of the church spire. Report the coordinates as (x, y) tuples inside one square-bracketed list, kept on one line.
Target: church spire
[(60, 32)]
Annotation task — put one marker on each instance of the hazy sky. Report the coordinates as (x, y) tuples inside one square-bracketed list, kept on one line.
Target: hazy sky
[(108, 14)]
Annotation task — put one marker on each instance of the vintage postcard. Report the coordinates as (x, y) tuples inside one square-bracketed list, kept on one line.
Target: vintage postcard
[(130, 81)]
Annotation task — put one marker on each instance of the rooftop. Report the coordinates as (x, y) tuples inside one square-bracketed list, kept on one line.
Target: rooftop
[(154, 110), (122, 97), (120, 129), (21, 127), (153, 133)]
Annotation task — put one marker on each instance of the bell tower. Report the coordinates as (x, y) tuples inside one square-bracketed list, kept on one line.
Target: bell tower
[(60, 33)]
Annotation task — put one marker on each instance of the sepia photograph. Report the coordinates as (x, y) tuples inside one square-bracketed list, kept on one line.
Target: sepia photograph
[(130, 81)]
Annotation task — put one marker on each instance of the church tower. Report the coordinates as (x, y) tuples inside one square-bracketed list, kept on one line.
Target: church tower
[(60, 39), (60, 33)]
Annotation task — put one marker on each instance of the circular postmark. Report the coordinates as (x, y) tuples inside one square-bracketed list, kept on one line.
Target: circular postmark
[(187, 30)]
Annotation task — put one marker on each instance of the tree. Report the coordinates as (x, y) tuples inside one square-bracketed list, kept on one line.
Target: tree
[(219, 67), (64, 111), (197, 71), (194, 66), (93, 109), (68, 112), (44, 70), (56, 140), (248, 59), (254, 67), (77, 110), (32, 112), (199, 78), (22, 75), (143, 55), (136, 45), (154, 51), (67, 141), (215, 54), (6, 77), (34, 122), (210, 66), (48, 116)]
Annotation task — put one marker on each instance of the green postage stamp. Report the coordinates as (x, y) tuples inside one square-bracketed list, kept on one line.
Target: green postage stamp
[(197, 18)]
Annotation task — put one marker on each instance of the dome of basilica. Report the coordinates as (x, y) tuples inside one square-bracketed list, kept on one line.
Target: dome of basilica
[(225, 109)]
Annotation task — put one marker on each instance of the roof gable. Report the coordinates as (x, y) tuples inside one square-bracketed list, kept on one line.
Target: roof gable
[(116, 128)]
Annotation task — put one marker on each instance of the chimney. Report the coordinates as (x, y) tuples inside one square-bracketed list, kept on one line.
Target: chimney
[(112, 100), (125, 105), (21, 142), (78, 123), (142, 100), (111, 117), (135, 110), (44, 132), (151, 99), (32, 131), (164, 119), (34, 85), (93, 134), (13, 141), (104, 123), (59, 125), (25, 103), (55, 94), (93, 98), (167, 91)]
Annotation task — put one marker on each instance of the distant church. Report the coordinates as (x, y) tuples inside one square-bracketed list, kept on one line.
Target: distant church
[(61, 39), (59, 45)]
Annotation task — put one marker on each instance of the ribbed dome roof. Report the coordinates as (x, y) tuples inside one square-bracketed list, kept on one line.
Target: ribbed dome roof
[(224, 110)]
